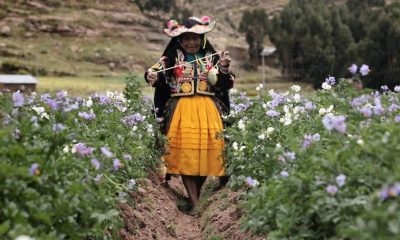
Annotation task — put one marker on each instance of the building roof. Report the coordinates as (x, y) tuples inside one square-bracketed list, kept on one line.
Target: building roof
[(18, 79), (267, 51)]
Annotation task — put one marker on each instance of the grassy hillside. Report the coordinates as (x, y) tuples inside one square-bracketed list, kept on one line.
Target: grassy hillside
[(103, 39)]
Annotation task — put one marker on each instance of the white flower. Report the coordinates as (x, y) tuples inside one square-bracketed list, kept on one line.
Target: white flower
[(122, 108), (297, 97), (350, 136), (235, 145), (66, 149), (24, 237), (264, 106), (259, 87), (131, 183), (271, 92), (286, 109), (134, 128), (270, 129), (38, 110), (121, 97), (149, 129), (261, 136), (242, 147), (89, 102), (326, 86), (323, 111), (360, 142), (296, 88), (287, 121), (241, 125), (233, 90), (278, 146)]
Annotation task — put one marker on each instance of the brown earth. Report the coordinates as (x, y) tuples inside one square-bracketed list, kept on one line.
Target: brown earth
[(157, 215)]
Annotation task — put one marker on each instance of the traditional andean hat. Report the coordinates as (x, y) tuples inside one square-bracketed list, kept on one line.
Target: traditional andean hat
[(193, 25)]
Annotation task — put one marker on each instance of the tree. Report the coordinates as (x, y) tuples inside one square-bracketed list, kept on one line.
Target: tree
[(302, 34), (255, 25), (343, 44), (156, 5), (380, 48)]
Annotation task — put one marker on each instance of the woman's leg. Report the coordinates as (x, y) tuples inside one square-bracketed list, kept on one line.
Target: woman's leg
[(199, 183), (190, 184)]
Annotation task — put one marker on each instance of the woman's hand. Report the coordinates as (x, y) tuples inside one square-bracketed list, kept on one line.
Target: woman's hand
[(224, 59), (152, 76)]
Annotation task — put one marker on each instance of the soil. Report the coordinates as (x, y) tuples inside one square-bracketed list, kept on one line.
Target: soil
[(157, 213)]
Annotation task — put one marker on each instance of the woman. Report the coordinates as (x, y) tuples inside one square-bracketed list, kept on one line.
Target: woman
[(191, 92)]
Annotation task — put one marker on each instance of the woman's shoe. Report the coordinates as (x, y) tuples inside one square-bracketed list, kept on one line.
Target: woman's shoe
[(195, 212)]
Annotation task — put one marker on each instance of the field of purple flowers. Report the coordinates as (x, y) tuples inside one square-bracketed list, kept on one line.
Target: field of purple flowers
[(66, 162), (321, 167)]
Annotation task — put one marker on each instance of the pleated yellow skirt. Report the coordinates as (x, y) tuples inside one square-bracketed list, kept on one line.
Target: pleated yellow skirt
[(194, 145)]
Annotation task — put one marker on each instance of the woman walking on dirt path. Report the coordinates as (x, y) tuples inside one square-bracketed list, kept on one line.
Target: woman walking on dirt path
[(191, 85)]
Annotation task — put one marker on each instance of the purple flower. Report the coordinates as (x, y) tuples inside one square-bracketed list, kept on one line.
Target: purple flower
[(334, 122), (251, 182), (132, 120), (364, 70), (378, 110), (106, 152), (61, 95), (340, 180), (71, 107), (272, 113), (359, 101), (34, 170), (87, 116), (330, 80), (34, 119), (397, 88), (18, 99), (353, 69), (58, 127), (366, 111), (103, 100), (397, 118), (284, 174), (385, 88), (384, 194), (127, 157), (331, 189), (98, 178), (82, 150), (44, 97), (316, 137), (116, 164), (309, 106), (393, 107), (306, 144), (52, 104), (290, 156), (96, 164)]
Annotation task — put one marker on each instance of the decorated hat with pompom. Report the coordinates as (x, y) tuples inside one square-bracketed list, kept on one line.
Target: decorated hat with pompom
[(193, 25)]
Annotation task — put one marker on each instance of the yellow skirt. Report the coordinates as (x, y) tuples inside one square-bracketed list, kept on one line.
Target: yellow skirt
[(194, 145)]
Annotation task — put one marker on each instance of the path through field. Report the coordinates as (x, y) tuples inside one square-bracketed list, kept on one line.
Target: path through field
[(157, 215)]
